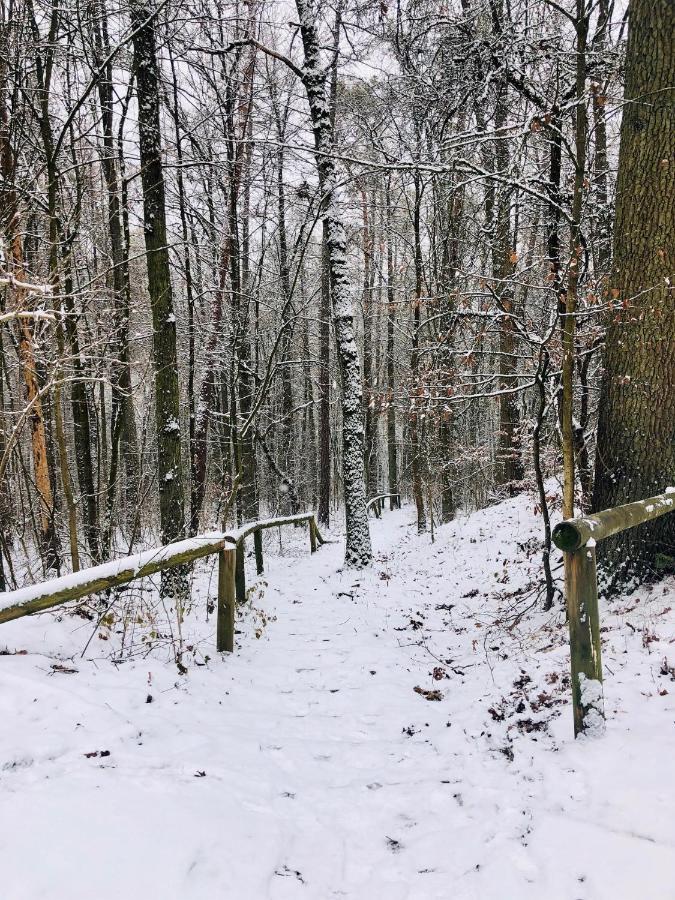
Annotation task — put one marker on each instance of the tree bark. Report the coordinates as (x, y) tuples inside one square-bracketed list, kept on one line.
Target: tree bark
[(11, 222), (568, 312), (167, 390), (636, 433), (509, 469), (392, 461), (358, 550), (416, 390)]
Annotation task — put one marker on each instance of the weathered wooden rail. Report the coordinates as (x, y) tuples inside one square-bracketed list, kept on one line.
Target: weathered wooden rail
[(377, 503), (230, 547), (577, 539), (239, 536)]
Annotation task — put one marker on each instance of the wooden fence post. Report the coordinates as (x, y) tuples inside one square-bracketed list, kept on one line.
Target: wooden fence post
[(257, 544), (240, 571), (581, 589), (226, 600), (312, 534)]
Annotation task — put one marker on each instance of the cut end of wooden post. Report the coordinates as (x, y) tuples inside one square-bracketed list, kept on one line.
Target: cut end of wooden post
[(566, 536)]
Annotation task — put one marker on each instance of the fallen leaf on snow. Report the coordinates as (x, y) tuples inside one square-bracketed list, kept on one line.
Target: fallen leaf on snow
[(427, 694)]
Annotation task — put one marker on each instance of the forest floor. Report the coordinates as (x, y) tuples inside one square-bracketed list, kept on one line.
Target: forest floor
[(402, 733)]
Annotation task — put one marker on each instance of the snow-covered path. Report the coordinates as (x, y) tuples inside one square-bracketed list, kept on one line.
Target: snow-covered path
[(308, 766)]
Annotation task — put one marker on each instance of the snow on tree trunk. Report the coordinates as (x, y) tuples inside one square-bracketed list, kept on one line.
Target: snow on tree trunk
[(358, 548)]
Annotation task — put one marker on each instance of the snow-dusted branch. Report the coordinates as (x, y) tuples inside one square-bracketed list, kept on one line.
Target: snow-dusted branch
[(42, 315), (6, 278)]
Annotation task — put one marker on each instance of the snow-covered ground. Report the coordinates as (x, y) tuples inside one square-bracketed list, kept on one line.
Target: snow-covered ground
[(400, 733)]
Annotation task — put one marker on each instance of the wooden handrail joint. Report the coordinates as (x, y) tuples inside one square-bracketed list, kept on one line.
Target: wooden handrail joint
[(577, 538)]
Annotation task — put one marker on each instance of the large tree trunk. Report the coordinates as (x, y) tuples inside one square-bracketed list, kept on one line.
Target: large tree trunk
[(358, 548), (636, 434), (167, 392)]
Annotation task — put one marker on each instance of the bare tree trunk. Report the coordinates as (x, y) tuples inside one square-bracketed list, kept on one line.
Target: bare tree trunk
[(370, 420), (636, 437), (415, 387), (167, 390), (287, 320), (392, 461), (509, 469), (325, 324), (568, 318), (195, 505), (324, 385), (22, 300), (121, 399)]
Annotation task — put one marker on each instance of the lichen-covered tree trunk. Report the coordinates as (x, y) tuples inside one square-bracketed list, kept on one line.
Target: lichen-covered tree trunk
[(358, 547), (636, 433), (167, 392)]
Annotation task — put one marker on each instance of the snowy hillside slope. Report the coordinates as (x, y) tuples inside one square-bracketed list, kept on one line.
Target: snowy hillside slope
[(401, 733)]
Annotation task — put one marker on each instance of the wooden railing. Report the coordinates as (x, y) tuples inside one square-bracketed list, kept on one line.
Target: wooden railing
[(377, 503), (230, 547), (238, 538), (577, 539)]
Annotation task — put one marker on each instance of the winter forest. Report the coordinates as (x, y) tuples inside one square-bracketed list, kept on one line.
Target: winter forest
[(394, 274)]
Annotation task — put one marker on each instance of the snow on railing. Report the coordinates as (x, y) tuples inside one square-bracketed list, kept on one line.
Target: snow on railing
[(230, 547), (577, 538), (377, 503)]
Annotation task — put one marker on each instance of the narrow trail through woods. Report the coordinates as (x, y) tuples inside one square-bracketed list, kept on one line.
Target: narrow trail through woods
[(401, 732)]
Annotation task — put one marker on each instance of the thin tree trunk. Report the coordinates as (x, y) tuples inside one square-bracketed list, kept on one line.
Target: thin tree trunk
[(392, 461), (370, 420), (568, 318), (324, 385), (415, 388), (509, 469)]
